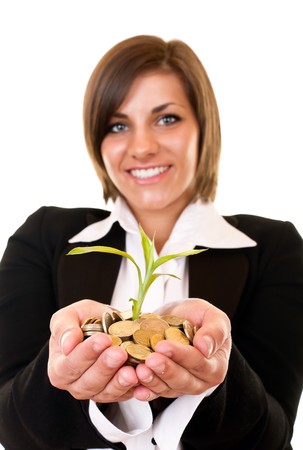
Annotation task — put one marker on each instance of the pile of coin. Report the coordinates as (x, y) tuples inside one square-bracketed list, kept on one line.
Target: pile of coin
[(140, 337)]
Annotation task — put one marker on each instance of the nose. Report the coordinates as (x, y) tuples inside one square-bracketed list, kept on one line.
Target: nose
[(143, 143)]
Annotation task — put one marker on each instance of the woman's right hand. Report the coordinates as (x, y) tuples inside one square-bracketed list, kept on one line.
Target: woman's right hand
[(88, 369)]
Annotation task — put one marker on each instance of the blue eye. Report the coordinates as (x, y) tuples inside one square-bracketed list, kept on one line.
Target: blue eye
[(168, 119), (116, 127)]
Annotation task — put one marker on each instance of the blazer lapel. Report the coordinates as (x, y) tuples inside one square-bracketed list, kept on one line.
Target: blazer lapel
[(219, 276)]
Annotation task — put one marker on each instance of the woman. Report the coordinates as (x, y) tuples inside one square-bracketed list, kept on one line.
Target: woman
[(152, 130)]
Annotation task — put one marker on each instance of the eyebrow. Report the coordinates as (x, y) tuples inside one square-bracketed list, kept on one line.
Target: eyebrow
[(160, 108), (156, 109)]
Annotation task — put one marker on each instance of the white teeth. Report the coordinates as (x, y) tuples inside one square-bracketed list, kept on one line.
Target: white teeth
[(148, 173)]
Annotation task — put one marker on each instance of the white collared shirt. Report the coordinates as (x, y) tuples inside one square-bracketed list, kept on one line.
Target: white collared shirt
[(199, 224)]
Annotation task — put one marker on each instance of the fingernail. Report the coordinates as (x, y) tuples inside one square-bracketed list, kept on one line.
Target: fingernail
[(209, 346), (167, 353), (148, 379), (123, 382), (65, 345), (98, 346), (112, 362), (160, 369)]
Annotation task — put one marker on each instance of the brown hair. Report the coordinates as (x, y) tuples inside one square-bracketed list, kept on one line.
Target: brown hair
[(111, 81)]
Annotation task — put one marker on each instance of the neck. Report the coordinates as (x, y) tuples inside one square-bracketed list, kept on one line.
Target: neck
[(157, 225)]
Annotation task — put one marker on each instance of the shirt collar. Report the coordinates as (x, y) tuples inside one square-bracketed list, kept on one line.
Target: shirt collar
[(199, 224)]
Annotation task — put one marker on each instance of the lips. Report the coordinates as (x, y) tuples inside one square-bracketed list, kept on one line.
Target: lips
[(148, 173)]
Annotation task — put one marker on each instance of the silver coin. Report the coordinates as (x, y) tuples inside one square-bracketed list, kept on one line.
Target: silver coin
[(116, 315), (107, 320), (92, 327)]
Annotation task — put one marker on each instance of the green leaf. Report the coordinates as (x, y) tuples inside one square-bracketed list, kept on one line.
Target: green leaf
[(136, 308), (148, 250), (164, 259), (104, 249), (100, 249), (154, 276), (146, 246), (150, 262)]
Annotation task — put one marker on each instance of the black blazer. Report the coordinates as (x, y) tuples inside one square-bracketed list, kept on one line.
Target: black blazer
[(260, 288)]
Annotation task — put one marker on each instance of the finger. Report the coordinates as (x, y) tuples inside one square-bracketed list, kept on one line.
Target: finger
[(213, 333), (120, 387), (178, 379), (64, 370), (185, 356), (145, 394), (107, 380), (209, 370), (213, 324), (65, 324), (201, 314), (151, 386), (70, 339)]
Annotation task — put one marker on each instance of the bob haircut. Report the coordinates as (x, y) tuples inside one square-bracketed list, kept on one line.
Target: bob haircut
[(111, 81)]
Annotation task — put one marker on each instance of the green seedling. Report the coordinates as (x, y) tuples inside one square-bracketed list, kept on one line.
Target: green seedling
[(151, 265)]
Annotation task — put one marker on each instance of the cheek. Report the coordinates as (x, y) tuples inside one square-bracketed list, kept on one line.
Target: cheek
[(188, 151), (113, 161), (110, 168), (104, 156), (109, 155)]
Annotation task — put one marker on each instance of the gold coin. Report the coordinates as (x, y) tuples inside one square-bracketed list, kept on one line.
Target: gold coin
[(116, 340), (174, 334), (155, 338), (124, 328), (150, 316), (125, 344), (126, 315), (157, 325), (188, 330), (143, 337), (138, 352), (173, 321)]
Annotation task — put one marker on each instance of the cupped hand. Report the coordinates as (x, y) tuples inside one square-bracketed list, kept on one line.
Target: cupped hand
[(87, 369), (175, 369)]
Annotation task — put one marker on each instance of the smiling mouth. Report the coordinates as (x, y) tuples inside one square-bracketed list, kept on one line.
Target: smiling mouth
[(148, 173)]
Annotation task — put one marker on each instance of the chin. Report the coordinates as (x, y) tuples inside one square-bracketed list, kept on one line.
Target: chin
[(144, 203)]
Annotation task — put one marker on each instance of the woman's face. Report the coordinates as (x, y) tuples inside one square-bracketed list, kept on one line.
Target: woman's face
[(150, 150)]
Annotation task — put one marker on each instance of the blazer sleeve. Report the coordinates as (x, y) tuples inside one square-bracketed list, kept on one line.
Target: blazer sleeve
[(34, 414), (255, 407)]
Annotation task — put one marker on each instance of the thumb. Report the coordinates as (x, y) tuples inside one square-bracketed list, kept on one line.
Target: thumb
[(70, 339), (206, 345)]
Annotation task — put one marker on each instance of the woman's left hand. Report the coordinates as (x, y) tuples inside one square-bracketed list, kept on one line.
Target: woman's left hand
[(175, 369)]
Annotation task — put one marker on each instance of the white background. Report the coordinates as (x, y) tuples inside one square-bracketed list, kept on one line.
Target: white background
[(252, 51)]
